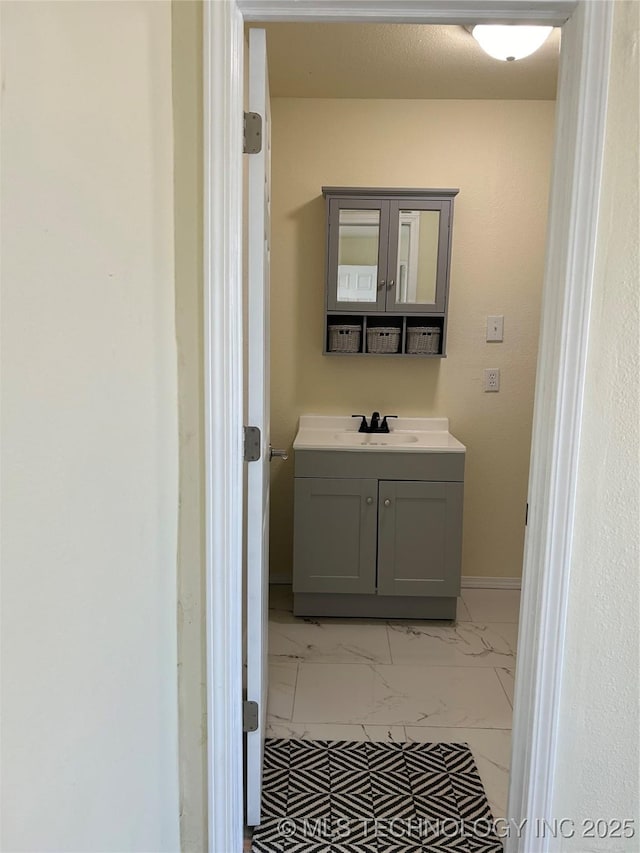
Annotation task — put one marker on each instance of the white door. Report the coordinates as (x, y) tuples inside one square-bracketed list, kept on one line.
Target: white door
[(258, 416)]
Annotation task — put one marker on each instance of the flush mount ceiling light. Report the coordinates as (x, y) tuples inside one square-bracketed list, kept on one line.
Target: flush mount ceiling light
[(511, 41)]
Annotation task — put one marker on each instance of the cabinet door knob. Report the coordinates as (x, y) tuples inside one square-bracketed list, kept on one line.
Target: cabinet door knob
[(391, 283), (369, 501), (382, 283), (387, 502)]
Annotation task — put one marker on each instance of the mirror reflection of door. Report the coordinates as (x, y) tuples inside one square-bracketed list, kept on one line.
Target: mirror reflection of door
[(417, 256), (358, 245)]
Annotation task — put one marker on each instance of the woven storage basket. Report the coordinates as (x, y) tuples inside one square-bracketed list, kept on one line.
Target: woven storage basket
[(383, 339), (344, 338), (423, 339)]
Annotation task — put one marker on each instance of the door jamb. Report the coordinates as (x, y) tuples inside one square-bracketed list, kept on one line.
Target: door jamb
[(223, 409), (575, 190)]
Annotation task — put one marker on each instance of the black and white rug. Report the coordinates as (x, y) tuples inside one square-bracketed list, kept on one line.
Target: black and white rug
[(344, 797)]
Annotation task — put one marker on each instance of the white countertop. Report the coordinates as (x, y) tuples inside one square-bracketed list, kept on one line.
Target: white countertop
[(407, 435)]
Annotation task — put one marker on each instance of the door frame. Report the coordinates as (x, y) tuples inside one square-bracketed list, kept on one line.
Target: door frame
[(566, 306)]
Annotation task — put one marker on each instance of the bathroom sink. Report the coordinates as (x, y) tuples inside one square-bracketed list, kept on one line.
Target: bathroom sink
[(360, 439), (414, 435)]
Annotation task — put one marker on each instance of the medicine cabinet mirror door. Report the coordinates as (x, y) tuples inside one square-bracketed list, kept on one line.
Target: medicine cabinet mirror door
[(418, 250), (357, 258)]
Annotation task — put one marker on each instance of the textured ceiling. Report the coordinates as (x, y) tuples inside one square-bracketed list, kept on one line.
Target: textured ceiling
[(400, 61)]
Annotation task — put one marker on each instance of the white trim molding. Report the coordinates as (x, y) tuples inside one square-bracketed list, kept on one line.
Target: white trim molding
[(223, 101), (571, 240), (467, 582), (470, 582), (550, 12)]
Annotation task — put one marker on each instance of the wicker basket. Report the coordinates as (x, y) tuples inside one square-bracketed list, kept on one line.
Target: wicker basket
[(383, 339), (344, 338), (423, 339)]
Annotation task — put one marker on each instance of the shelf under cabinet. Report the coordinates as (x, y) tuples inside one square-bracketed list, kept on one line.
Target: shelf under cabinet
[(390, 354), (402, 323)]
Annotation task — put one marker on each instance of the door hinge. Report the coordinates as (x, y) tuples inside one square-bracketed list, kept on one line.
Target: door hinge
[(252, 133), (251, 444), (249, 716)]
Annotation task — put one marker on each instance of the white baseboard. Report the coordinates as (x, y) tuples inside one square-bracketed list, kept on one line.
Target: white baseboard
[(470, 582), (467, 582)]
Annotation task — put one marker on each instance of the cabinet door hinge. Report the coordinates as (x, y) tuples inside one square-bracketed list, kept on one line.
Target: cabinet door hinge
[(249, 716), (251, 443), (252, 133)]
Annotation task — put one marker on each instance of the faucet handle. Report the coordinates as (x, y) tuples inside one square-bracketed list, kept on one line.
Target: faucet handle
[(363, 423), (384, 426)]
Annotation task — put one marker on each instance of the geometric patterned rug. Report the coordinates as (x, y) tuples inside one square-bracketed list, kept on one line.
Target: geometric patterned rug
[(363, 797)]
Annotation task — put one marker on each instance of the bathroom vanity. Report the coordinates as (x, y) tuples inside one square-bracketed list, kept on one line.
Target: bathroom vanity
[(377, 519)]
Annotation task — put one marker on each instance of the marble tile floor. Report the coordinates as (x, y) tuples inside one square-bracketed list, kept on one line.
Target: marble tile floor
[(402, 680)]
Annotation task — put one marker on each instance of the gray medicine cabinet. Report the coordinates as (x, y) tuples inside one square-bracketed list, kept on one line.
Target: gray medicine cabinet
[(388, 254)]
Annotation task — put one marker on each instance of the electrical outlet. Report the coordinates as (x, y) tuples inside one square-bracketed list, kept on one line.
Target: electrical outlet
[(495, 328), (492, 379)]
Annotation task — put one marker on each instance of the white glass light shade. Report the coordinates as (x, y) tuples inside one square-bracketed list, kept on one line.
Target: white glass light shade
[(511, 41)]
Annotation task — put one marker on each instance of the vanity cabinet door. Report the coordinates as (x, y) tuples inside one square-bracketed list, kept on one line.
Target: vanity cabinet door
[(419, 538), (334, 549)]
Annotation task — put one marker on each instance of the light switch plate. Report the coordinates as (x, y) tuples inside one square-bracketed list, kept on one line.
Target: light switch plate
[(495, 328)]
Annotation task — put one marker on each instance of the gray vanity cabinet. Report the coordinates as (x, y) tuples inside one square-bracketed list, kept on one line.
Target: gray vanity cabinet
[(377, 534), (335, 534), (419, 543)]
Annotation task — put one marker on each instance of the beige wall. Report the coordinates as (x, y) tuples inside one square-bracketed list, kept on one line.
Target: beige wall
[(89, 430), (599, 755), (499, 155), (188, 187)]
